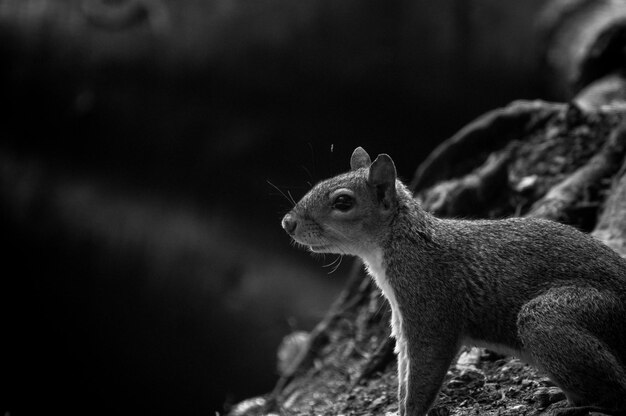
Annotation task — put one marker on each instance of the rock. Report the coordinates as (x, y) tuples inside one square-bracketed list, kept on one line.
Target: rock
[(545, 396), (546, 382), (290, 350), (469, 359), (249, 406)]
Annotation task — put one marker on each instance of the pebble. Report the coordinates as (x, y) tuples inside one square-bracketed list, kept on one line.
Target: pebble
[(545, 396), (546, 382), (527, 383), (469, 359)]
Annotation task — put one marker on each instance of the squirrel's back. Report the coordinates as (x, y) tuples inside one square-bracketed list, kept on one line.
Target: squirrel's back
[(497, 266), (533, 251)]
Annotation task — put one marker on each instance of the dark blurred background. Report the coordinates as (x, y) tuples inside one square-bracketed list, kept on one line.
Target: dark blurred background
[(144, 268)]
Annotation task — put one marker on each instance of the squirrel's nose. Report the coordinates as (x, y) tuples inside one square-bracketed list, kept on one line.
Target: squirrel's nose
[(289, 224)]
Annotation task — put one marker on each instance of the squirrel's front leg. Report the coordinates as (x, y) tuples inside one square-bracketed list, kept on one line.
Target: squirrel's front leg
[(403, 363), (428, 361)]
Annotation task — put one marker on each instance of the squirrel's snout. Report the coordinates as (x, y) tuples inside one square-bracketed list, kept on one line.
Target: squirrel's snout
[(289, 224)]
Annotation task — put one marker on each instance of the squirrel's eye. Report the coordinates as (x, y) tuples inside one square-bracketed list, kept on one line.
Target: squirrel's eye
[(343, 202)]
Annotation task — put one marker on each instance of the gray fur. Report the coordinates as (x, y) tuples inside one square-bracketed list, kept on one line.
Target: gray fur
[(546, 292)]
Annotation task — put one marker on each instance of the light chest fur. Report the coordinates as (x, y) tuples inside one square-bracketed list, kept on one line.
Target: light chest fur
[(374, 263)]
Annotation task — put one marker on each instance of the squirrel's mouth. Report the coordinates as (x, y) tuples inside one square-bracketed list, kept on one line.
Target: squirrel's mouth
[(320, 248)]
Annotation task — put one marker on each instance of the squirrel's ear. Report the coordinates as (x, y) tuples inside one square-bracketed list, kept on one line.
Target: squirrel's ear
[(360, 159), (383, 178)]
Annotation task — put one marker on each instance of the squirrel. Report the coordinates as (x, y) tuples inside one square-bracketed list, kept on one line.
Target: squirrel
[(544, 292)]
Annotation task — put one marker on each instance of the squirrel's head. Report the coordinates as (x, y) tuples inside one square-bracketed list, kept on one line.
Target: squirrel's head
[(347, 214)]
